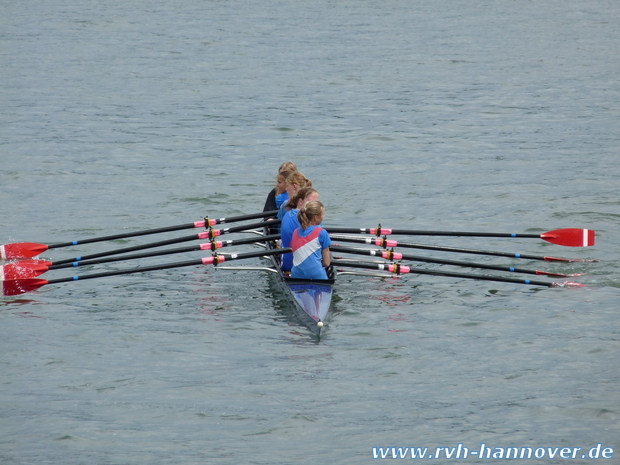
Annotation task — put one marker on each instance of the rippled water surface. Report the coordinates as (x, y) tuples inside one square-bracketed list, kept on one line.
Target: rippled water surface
[(121, 116)]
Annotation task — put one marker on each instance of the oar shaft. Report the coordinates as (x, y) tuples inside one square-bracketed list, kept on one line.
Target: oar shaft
[(207, 246), (445, 273), (125, 235), (382, 242), (129, 249), (21, 286), (232, 219), (194, 262), (203, 235), (398, 256), (570, 237), (482, 277), (204, 261), (196, 224), (415, 232)]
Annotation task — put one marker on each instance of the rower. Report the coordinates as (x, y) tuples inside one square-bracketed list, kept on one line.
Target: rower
[(290, 222), (294, 182), (286, 169), (310, 243)]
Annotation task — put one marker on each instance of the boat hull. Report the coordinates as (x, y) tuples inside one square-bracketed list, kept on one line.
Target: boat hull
[(310, 298)]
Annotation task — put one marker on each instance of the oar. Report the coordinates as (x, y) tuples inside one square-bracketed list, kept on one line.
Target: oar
[(401, 269), (385, 243), (20, 270), (21, 286), (209, 234), (390, 255), (33, 268), (571, 237), (32, 249)]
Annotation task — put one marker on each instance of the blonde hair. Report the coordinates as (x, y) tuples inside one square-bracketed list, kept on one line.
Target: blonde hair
[(283, 176), (301, 194), (299, 179), (309, 211), (287, 166)]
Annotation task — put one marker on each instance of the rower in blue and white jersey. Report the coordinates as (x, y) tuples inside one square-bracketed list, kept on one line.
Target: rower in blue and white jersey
[(310, 243), (290, 221)]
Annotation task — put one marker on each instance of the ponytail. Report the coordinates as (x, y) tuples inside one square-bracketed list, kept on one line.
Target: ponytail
[(309, 211), (299, 179)]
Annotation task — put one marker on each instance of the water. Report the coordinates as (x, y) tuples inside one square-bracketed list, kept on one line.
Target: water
[(119, 116)]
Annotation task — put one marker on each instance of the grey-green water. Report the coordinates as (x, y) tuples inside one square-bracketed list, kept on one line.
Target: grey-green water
[(118, 116)]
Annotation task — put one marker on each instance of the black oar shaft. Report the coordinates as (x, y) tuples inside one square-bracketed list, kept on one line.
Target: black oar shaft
[(128, 249), (417, 258), (190, 248), (121, 272), (195, 262), (414, 232), (481, 277), (196, 224), (166, 242), (122, 236), (569, 237), (407, 232), (446, 273), (232, 219), (439, 248)]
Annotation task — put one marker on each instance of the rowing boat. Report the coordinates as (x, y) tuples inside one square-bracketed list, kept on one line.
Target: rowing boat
[(309, 298)]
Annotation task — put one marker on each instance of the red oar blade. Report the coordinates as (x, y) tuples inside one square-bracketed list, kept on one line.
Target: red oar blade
[(21, 250), (21, 270), (556, 259), (561, 275), (33, 262), (568, 284), (21, 286), (570, 237)]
